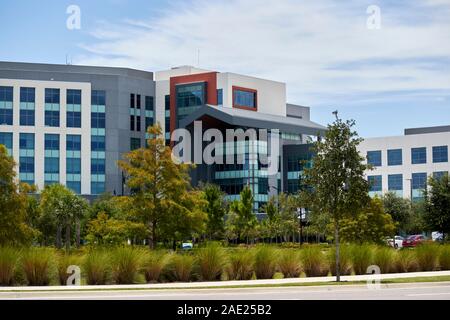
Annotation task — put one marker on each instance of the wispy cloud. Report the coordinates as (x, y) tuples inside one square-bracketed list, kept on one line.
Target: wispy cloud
[(322, 49)]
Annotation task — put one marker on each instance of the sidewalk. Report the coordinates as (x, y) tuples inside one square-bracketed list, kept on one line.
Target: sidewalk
[(193, 285)]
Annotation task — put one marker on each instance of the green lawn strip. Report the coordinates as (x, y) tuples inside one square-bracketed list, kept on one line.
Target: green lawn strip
[(298, 284)]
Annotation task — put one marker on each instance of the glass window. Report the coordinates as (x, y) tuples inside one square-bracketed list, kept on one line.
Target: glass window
[(51, 165), (419, 155), (419, 181), (395, 182), (189, 97), (27, 117), (97, 143), (73, 119), (6, 116), (440, 154), (374, 158), (375, 183), (27, 95), (73, 97), (52, 142), (6, 94), (52, 96), (52, 118), (167, 102), (149, 103), (97, 187), (138, 101), (26, 141), (97, 166), (395, 157), (26, 165), (244, 98), (97, 120), (135, 143), (131, 123), (98, 98), (132, 101), (73, 142), (6, 139), (6, 106), (220, 97), (149, 122), (439, 175), (73, 165), (75, 186)]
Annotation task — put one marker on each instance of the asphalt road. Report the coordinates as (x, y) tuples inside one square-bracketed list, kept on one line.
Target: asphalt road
[(412, 291)]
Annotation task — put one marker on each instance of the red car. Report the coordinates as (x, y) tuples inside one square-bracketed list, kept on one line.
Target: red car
[(414, 240)]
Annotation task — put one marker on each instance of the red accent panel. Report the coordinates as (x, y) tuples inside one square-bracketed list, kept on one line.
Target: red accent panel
[(211, 90), (248, 90)]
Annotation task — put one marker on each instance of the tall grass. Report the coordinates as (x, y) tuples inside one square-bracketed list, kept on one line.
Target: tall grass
[(180, 267), (125, 263), (361, 257), (211, 262), (9, 258), (240, 266), (405, 261), (37, 265), (97, 267), (289, 263), (265, 262), (345, 263), (153, 263), (427, 256), (444, 257), (64, 261), (384, 257), (313, 261)]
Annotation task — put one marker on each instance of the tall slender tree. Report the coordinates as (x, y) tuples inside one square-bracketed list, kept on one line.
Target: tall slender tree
[(437, 205)]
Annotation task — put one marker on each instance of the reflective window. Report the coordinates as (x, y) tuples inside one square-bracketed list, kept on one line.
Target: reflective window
[(375, 183), (51, 165), (149, 103), (73, 97), (6, 139), (97, 143), (27, 95), (97, 187), (244, 98), (189, 97), (440, 154), (395, 182), (98, 98), (97, 120), (73, 109), (73, 119), (419, 181), (439, 175), (26, 141), (52, 96), (51, 142), (419, 155), (73, 165), (75, 186), (374, 158), (220, 97), (73, 142), (97, 166), (52, 118), (26, 165), (395, 157), (27, 117), (6, 106), (167, 102), (135, 143)]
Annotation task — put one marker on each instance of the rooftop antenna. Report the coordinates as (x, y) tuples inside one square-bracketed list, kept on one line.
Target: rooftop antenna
[(67, 60)]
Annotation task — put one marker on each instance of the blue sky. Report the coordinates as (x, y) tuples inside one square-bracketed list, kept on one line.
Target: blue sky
[(387, 79)]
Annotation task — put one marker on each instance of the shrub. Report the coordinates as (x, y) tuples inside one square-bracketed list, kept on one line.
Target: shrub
[(289, 263), (210, 262), (265, 262), (405, 261), (362, 257), (97, 267), (9, 258), (37, 266), (180, 267), (125, 263), (240, 265), (427, 256), (153, 263), (384, 257), (64, 261), (345, 264), (444, 257), (313, 261)]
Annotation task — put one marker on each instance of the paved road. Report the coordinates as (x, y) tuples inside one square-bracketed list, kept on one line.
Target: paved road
[(413, 291)]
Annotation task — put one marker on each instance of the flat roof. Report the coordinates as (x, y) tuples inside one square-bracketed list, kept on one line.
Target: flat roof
[(424, 130)]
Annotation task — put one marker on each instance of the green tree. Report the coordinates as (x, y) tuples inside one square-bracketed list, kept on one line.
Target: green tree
[(160, 187), (335, 184), (14, 221), (245, 220), (399, 209), (216, 211), (371, 224), (271, 225), (437, 205)]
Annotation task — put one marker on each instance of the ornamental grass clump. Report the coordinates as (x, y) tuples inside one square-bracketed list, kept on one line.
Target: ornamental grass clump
[(180, 268), (314, 263), (444, 257), (210, 262), (384, 257), (64, 261), (9, 258), (240, 265), (37, 266), (406, 261), (345, 264), (97, 267), (265, 262), (125, 263), (427, 255), (361, 257), (289, 263), (153, 263)]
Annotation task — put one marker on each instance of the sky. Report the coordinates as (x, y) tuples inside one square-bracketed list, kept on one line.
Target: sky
[(388, 78)]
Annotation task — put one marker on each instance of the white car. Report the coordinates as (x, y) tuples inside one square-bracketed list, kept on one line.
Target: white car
[(397, 242)]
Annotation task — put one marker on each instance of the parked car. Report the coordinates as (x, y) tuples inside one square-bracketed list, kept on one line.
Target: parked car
[(397, 242), (414, 240)]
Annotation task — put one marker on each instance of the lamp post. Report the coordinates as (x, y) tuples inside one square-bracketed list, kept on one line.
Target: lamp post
[(301, 214)]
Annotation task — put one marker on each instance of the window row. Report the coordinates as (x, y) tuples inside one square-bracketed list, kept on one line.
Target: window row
[(418, 181), (418, 156)]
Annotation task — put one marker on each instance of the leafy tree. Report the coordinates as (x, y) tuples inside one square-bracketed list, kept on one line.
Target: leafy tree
[(245, 220), (336, 183), (399, 209), (271, 225), (216, 210), (437, 205), (416, 223), (14, 221), (160, 187), (372, 224)]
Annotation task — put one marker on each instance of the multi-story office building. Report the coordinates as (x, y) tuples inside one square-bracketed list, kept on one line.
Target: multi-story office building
[(70, 124), (402, 164)]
